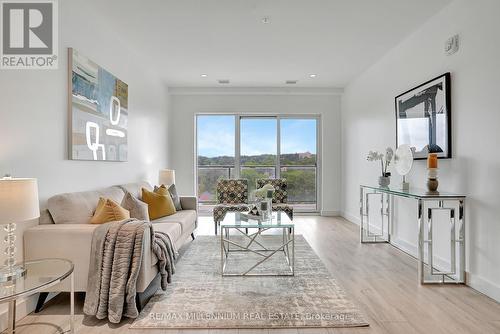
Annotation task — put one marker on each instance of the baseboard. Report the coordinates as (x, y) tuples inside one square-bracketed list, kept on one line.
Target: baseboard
[(411, 249), (484, 286), (405, 246), (326, 213), (295, 213), (350, 218)]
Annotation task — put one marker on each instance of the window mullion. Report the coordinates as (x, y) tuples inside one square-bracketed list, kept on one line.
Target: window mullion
[(278, 147), (237, 147)]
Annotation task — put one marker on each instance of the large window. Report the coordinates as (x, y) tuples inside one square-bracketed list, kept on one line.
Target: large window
[(216, 153), (258, 146), (253, 147), (298, 160)]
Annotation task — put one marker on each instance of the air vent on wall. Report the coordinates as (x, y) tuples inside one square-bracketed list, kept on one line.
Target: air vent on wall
[(223, 81), (291, 82)]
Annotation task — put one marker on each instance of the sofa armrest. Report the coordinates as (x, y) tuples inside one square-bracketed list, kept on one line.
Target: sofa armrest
[(189, 202), (67, 241), (73, 242)]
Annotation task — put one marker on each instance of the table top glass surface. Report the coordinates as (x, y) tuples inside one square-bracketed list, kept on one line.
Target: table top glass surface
[(237, 220), (413, 192), (39, 274)]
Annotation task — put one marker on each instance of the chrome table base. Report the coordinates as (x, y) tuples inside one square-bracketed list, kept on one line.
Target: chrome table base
[(287, 247), (427, 271), (12, 311)]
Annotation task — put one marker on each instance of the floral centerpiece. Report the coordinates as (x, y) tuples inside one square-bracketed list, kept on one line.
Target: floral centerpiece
[(266, 191), (385, 161), (265, 196)]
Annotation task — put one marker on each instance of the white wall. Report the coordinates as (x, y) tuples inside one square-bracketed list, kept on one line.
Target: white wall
[(186, 103), (368, 122), (34, 112), (34, 115)]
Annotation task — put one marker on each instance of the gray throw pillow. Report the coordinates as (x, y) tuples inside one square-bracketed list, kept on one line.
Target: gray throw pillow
[(138, 209), (175, 197)]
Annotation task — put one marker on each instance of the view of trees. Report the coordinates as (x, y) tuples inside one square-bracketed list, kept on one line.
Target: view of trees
[(207, 181), (301, 183), (254, 173), (299, 169), (301, 159)]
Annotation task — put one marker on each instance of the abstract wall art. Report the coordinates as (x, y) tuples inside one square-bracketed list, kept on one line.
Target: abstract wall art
[(423, 118), (98, 112)]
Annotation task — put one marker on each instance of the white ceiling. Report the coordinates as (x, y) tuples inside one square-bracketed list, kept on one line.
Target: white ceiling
[(226, 39)]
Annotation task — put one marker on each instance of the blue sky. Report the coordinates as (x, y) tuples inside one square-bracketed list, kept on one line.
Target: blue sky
[(258, 136)]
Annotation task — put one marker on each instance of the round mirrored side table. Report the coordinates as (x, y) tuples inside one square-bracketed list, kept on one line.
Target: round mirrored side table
[(40, 275)]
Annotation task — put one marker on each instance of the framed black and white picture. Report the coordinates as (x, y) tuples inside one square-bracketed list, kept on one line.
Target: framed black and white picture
[(423, 118)]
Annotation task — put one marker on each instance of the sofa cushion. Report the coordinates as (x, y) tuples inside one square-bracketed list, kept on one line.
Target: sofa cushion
[(175, 197), (45, 218), (109, 211), (185, 218), (158, 205), (138, 209), (136, 188), (173, 230), (79, 207), (172, 191), (162, 190)]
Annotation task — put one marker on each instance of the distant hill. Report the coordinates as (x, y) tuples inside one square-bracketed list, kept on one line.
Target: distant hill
[(304, 158)]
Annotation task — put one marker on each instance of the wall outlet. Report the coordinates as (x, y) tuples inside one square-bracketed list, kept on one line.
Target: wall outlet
[(451, 45)]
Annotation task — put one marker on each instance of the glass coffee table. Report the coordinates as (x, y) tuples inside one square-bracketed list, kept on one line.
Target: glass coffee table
[(40, 275), (254, 243)]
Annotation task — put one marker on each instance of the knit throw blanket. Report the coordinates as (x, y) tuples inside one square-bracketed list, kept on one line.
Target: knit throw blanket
[(117, 250)]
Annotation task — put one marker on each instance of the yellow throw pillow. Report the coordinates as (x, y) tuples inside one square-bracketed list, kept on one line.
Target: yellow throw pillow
[(158, 205), (161, 190), (108, 211)]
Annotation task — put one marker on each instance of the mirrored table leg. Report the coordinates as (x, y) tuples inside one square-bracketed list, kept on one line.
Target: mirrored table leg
[(12, 317), (72, 305)]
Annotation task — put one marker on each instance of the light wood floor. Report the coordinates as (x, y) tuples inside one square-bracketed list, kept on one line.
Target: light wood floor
[(379, 278)]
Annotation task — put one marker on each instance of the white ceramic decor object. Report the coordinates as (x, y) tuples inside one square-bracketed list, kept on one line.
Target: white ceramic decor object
[(403, 161)]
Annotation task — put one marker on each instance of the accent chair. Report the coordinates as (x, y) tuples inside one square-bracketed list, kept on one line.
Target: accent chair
[(232, 196), (280, 195)]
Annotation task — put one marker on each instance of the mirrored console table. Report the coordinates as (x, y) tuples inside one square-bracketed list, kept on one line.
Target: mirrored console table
[(428, 203)]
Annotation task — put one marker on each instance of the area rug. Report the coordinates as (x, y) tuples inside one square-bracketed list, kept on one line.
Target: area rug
[(199, 297)]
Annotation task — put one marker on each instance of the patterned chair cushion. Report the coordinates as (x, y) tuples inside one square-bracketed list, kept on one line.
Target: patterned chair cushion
[(280, 194), (288, 209), (220, 210), (232, 191)]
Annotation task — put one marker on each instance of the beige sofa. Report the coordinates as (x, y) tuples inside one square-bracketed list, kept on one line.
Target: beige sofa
[(65, 232)]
